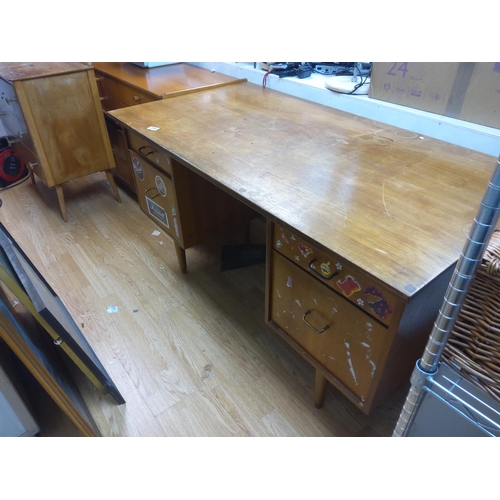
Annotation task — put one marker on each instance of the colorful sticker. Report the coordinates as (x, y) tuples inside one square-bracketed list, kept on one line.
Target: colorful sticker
[(325, 269), (279, 244), (361, 302), (297, 258), (284, 238), (293, 237), (289, 282), (305, 251), (338, 265), (380, 307), (348, 286)]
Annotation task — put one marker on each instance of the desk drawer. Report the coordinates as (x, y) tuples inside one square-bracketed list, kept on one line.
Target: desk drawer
[(352, 343), (156, 195), (118, 92), (151, 152), (338, 274)]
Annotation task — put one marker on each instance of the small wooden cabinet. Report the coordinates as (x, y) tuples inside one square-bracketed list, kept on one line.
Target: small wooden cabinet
[(52, 116), (124, 84)]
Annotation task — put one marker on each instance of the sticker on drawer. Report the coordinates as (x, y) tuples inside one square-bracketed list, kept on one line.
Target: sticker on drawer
[(157, 212), (380, 306), (138, 168), (349, 285)]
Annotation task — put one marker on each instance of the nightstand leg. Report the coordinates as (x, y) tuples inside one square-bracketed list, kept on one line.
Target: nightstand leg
[(32, 175), (320, 384), (62, 203), (111, 180), (181, 257)]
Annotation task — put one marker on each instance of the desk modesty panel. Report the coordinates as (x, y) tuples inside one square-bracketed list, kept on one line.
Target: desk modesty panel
[(393, 203)]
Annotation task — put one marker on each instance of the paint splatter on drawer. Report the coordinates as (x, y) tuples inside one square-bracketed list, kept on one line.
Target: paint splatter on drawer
[(342, 338)]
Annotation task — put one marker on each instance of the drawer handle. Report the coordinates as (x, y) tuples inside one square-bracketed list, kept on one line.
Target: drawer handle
[(136, 98), (146, 154), (32, 165), (8, 101), (319, 274), (151, 197), (309, 324)]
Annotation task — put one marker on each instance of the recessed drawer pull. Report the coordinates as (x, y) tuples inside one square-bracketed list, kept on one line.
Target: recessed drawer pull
[(312, 327), (151, 197), (146, 154), (319, 274)]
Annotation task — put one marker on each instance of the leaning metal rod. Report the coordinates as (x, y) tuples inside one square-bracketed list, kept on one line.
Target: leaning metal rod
[(460, 282)]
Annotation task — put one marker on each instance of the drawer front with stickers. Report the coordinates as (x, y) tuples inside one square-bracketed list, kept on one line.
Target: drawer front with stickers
[(345, 340), (336, 273), (155, 192)]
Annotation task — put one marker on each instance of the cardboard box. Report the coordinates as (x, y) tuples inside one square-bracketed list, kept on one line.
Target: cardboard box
[(467, 91)]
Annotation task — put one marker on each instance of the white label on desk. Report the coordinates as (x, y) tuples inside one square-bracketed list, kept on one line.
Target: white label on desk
[(157, 212), (154, 129)]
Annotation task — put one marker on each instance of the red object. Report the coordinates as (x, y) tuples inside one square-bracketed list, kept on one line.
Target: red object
[(349, 286), (12, 168)]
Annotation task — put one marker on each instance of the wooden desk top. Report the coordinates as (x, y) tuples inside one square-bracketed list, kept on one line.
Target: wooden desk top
[(394, 203), (165, 81), (14, 71)]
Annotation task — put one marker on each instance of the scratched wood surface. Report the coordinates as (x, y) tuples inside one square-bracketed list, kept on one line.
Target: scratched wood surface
[(190, 353), (393, 202)]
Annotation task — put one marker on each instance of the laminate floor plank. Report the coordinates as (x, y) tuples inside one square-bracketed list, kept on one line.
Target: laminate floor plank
[(190, 353)]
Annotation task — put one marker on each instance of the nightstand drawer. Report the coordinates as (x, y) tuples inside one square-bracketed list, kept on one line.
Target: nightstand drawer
[(116, 91), (338, 274), (150, 152), (156, 195), (345, 340)]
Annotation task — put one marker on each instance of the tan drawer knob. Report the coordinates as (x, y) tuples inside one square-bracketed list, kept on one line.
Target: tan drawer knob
[(309, 324)]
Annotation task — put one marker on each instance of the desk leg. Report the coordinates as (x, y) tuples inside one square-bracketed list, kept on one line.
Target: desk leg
[(320, 384), (181, 257), (111, 180), (62, 203)]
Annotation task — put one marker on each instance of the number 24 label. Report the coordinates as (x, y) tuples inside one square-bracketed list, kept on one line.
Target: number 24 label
[(403, 68)]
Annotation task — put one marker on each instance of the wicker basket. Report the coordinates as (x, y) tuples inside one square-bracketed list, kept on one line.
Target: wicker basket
[(474, 344)]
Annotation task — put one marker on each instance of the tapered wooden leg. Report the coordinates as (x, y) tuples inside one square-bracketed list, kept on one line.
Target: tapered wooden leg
[(32, 175), (111, 180), (62, 203), (181, 257), (320, 384)]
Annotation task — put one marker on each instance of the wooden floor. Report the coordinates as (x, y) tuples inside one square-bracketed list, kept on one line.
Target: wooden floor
[(190, 353)]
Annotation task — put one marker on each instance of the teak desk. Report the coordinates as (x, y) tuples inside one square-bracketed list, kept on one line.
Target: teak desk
[(365, 221)]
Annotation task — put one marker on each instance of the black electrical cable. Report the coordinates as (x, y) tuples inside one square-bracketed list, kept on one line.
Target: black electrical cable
[(17, 183)]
